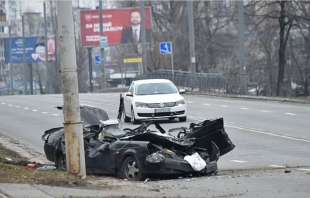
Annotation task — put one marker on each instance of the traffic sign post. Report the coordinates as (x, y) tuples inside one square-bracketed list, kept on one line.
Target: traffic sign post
[(103, 42), (166, 48)]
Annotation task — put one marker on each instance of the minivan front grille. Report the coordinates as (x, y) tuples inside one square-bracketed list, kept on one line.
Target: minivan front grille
[(161, 105), (161, 114)]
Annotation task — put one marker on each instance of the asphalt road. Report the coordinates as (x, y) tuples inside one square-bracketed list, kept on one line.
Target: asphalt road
[(266, 134)]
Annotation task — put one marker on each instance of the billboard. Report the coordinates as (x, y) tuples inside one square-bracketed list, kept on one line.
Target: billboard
[(119, 26), (33, 51)]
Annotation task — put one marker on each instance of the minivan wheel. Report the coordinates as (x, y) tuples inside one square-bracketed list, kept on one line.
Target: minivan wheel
[(133, 119), (126, 118)]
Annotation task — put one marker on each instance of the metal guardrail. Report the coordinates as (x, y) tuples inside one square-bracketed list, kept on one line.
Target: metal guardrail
[(206, 82)]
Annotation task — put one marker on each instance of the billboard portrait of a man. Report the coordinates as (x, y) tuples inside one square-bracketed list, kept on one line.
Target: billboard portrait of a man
[(133, 34)]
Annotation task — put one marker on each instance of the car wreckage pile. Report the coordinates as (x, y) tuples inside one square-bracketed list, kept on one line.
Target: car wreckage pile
[(145, 151)]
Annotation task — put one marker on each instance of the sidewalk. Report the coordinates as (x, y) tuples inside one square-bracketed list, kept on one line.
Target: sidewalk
[(43, 191), (262, 183)]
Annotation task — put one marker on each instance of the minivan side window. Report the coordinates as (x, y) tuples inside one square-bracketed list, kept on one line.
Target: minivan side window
[(131, 88)]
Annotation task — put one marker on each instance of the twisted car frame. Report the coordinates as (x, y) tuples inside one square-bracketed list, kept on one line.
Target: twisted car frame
[(144, 151)]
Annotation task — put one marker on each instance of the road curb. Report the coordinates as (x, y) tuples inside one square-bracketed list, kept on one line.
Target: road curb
[(21, 149), (3, 196)]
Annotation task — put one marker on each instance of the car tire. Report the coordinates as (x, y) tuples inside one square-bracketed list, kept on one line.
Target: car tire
[(126, 118), (131, 169), (183, 119), (60, 162), (132, 118)]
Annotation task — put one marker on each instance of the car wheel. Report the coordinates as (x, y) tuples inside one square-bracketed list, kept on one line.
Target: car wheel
[(126, 118), (182, 119), (60, 162), (131, 169), (133, 119)]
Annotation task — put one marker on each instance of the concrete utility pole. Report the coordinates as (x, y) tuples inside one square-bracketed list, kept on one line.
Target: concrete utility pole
[(24, 52), (55, 71), (191, 38), (46, 50), (9, 64), (90, 69), (75, 156)]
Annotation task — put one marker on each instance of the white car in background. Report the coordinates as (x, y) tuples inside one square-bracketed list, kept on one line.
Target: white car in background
[(153, 99)]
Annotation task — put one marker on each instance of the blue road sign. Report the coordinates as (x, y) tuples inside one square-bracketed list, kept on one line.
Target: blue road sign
[(165, 47), (97, 60)]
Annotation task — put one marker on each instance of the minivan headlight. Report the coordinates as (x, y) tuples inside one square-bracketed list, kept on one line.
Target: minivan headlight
[(141, 104), (180, 102)]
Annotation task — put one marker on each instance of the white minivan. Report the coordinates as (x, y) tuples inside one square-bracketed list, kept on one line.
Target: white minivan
[(153, 99)]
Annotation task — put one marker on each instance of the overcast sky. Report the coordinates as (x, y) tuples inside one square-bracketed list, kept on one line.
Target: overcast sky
[(37, 5)]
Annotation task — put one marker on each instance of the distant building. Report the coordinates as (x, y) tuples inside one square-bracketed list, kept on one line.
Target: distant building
[(14, 12)]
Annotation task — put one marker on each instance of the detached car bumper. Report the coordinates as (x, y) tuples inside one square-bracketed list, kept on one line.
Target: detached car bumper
[(177, 167), (146, 113)]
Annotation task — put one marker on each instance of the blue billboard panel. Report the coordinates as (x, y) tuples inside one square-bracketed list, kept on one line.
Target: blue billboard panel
[(33, 51)]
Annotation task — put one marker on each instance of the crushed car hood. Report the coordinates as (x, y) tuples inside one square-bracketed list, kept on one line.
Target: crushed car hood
[(198, 135)]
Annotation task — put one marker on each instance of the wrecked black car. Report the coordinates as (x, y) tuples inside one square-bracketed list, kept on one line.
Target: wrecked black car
[(145, 151)]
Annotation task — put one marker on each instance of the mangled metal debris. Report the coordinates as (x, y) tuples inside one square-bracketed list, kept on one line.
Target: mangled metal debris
[(143, 152)]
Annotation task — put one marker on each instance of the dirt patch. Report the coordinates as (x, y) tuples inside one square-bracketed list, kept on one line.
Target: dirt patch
[(16, 169)]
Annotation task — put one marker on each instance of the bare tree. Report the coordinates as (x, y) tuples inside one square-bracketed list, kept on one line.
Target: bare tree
[(300, 45), (283, 12)]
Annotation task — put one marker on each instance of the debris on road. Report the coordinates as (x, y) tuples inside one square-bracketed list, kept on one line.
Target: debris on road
[(46, 168), (146, 180), (287, 171), (8, 159)]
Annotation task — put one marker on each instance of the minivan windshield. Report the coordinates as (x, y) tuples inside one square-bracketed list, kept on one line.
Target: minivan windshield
[(156, 88)]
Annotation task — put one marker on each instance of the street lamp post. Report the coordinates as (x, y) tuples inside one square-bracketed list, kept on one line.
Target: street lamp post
[(191, 40), (101, 48)]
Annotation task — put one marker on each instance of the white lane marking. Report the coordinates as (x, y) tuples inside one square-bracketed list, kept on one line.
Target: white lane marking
[(17, 106), (290, 114), (10, 105), (239, 161), (34, 110), (189, 102), (55, 114), (244, 108), (224, 106), (265, 111), (85, 104), (3, 103), (26, 108), (229, 122), (44, 112), (268, 133), (276, 166), (206, 104), (304, 169)]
